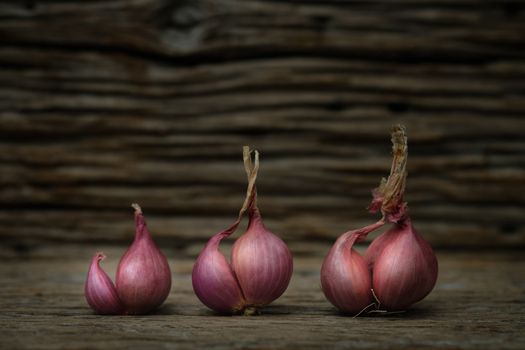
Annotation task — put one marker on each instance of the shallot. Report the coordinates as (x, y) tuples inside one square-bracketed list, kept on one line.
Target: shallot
[(401, 266), (143, 278), (261, 263)]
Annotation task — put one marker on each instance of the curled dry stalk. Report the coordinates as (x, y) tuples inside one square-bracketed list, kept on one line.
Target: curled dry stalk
[(388, 196), (251, 167)]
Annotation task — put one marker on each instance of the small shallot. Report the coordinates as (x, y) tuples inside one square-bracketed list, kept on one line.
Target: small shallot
[(345, 278), (261, 264), (143, 279), (99, 290)]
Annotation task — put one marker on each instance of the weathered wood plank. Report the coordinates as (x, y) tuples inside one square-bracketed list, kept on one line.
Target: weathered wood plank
[(103, 103), (477, 303)]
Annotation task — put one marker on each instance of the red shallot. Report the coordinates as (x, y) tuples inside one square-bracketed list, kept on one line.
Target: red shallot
[(402, 267), (261, 263), (143, 278)]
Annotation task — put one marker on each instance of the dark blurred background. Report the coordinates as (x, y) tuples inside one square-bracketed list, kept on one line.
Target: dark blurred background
[(105, 103)]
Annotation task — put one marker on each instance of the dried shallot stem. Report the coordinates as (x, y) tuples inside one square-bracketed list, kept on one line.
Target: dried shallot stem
[(388, 197), (251, 167)]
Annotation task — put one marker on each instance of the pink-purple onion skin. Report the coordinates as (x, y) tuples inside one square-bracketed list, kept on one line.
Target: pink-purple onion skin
[(143, 279), (345, 278), (260, 271), (99, 290), (400, 263), (404, 266), (213, 280), (262, 263)]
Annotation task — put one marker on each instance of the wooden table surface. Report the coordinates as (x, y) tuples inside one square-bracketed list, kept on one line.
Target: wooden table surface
[(478, 303)]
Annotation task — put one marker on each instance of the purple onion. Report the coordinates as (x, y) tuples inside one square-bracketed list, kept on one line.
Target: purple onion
[(261, 264), (99, 290), (143, 278), (399, 267), (404, 267), (213, 280), (345, 278)]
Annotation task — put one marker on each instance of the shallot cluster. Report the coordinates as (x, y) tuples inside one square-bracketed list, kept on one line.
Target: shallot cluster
[(261, 263), (399, 267), (143, 278)]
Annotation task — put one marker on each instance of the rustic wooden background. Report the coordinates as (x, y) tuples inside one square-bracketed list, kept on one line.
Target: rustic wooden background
[(104, 103), (108, 102)]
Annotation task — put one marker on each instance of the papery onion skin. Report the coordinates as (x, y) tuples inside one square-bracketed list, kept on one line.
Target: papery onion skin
[(143, 279), (262, 263), (213, 280), (99, 290), (345, 278), (376, 247), (404, 266)]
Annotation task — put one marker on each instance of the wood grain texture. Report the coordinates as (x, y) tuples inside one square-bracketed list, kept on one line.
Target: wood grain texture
[(105, 103), (477, 303)]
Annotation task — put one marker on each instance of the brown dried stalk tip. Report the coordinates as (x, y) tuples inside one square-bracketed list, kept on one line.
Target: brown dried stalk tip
[(138, 209), (388, 197), (251, 167)]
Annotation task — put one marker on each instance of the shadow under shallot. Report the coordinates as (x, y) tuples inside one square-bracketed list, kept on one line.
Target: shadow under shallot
[(267, 311)]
